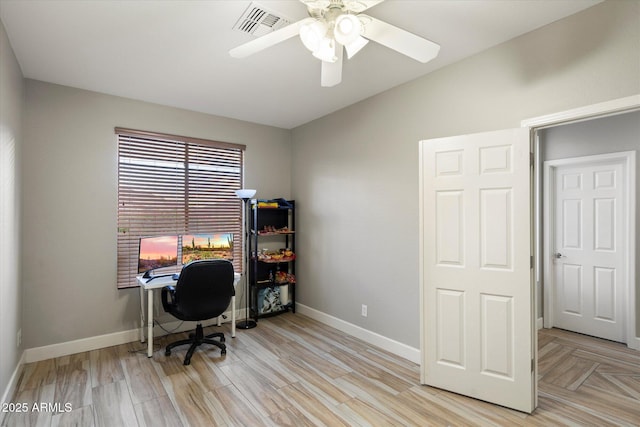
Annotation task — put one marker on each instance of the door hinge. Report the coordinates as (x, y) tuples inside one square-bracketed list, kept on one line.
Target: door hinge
[(533, 365), (531, 261), (531, 159)]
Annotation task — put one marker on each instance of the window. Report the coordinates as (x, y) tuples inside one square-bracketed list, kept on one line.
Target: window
[(170, 184)]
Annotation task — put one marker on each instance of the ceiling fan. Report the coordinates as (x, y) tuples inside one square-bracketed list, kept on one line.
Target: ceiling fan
[(334, 26)]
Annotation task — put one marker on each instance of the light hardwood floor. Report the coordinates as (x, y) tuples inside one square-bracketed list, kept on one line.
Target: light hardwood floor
[(294, 371)]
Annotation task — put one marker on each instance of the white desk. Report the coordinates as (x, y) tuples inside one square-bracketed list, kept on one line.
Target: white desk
[(159, 283)]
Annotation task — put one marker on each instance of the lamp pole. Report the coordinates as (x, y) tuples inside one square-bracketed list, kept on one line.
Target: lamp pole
[(246, 195)]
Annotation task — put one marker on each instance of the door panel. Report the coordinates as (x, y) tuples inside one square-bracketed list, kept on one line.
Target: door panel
[(605, 293), (572, 290), (450, 328), (495, 228), (605, 224), (497, 337), (449, 219), (572, 220), (475, 267), (589, 263)]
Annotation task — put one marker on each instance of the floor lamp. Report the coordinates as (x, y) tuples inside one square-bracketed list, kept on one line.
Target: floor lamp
[(246, 195)]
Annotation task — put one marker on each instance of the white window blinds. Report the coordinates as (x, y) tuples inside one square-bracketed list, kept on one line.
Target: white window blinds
[(170, 185)]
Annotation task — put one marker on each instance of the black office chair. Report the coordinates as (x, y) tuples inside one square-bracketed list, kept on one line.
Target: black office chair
[(203, 291)]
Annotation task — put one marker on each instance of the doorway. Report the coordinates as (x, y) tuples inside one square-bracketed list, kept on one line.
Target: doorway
[(583, 132), (471, 224)]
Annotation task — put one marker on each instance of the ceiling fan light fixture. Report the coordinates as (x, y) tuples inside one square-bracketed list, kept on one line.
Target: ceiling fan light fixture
[(327, 50), (355, 46), (312, 34), (334, 26), (347, 29)]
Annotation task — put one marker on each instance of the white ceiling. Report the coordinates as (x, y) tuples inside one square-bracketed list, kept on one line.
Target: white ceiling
[(176, 52)]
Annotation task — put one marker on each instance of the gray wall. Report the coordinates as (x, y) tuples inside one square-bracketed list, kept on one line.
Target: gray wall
[(11, 141), (605, 135), (70, 199), (355, 172)]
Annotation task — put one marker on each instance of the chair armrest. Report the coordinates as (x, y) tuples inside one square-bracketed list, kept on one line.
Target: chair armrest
[(168, 297)]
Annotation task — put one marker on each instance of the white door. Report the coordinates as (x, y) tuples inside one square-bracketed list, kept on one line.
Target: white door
[(589, 274), (477, 297)]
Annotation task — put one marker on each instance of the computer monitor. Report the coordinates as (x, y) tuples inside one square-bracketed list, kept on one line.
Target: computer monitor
[(157, 252), (207, 246)]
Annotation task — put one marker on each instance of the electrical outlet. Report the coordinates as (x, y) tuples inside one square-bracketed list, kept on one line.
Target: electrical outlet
[(19, 338), (364, 310)]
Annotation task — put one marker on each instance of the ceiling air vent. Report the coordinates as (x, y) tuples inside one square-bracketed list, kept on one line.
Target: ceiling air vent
[(258, 20)]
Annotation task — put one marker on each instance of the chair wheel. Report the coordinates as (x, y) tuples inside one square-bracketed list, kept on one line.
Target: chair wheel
[(187, 362), (223, 351), (167, 352)]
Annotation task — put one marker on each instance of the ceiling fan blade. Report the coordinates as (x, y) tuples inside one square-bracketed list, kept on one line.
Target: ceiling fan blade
[(268, 40), (400, 40), (331, 72)]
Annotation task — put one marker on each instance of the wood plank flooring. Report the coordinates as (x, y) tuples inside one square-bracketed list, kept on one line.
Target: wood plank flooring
[(294, 371)]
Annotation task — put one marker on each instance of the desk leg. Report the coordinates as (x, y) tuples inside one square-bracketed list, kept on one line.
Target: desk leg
[(141, 313), (150, 323), (233, 316)]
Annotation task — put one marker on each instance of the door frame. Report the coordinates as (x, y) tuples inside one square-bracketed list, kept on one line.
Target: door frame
[(627, 160), (589, 112)]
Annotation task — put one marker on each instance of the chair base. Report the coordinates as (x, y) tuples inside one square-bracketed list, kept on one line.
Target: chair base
[(197, 339)]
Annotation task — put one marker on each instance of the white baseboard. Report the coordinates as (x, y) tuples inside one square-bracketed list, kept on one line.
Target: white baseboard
[(37, 354), (539, 323), (410, 353), (11, 387)]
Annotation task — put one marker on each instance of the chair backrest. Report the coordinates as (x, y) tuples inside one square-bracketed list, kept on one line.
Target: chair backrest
[(204, 289)]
